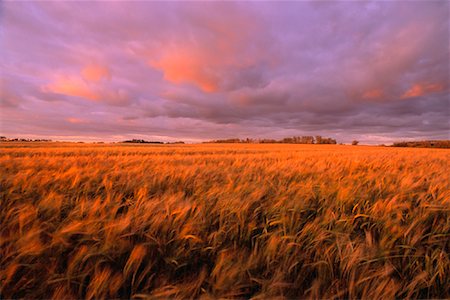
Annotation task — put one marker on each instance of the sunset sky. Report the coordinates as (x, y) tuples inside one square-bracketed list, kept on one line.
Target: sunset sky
[(194, 71)]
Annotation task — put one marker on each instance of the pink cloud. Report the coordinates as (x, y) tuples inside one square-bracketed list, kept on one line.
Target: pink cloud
[(75, 120), (72, 86), (188, 66), (95, 72), (92, 91), (373, 94), (421, 88), (210, 55)]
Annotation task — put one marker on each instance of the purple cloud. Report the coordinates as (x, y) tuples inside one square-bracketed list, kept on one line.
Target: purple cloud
[(373, 71)]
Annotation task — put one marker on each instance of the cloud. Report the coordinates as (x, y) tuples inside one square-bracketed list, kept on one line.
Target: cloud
[(8, 98), (96, 73), (88, 87), (72, 87), (213, 55), (212, 70), (187, 66), (373, 94), (75, 120), (420, 89)]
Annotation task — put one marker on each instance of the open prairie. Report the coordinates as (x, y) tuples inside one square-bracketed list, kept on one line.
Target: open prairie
[(232, 220)]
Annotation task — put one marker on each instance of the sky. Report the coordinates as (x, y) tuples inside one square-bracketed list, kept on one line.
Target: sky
[(376, 72)]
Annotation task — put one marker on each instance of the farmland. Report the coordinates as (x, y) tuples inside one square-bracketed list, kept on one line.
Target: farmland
[(209, 221)]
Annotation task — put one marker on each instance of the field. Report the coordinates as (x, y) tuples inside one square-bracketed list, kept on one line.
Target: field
[(233, 220)]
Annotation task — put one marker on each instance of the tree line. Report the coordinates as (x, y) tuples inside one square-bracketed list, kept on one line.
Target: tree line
[(424, 144), (318, 139), (5, 139), (139, 141)]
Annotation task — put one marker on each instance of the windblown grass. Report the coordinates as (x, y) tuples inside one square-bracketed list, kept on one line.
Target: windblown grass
[(192, 221)]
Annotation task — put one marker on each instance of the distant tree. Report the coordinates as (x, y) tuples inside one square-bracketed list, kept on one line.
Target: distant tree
[(424, 144), (355, 143), (230, 141), (287, 140), (324, 140), (268, 141), (139, 141), (307, 140), (328, 141), (177, 142)]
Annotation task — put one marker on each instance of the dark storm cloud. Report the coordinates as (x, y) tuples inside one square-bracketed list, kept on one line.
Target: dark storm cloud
[(375, 71)]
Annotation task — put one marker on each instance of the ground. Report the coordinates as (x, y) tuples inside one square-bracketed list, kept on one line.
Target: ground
[(228, 220)]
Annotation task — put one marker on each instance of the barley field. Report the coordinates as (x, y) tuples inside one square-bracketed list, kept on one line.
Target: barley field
[(223, 221)]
